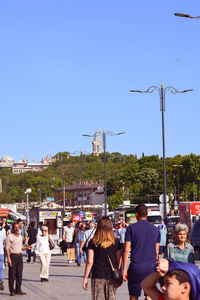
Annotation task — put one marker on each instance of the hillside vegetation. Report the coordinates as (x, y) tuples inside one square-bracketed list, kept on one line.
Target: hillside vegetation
[(143, 177)]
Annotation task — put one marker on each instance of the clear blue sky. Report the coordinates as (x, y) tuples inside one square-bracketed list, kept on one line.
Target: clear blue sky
[(66, 68)]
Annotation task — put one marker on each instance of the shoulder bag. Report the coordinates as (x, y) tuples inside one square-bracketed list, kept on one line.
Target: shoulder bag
[(116, 273), (51, 243)]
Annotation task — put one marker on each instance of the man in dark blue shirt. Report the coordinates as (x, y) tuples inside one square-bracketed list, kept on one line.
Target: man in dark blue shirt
[(142, 239)]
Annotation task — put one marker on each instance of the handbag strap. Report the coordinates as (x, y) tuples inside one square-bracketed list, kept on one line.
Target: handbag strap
[(110, 261), (89, 237)]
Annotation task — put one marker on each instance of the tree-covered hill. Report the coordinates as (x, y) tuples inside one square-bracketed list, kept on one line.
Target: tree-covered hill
[(143, 177)]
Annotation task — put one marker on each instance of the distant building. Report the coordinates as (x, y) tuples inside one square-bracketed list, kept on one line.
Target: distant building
[(96, 144), (93, 194), (22, 166)]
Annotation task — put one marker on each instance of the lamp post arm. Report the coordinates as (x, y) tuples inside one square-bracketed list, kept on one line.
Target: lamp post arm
[(150, 90), (174, 91)]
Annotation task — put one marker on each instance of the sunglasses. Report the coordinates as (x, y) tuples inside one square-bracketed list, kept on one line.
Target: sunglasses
[(44, 230)]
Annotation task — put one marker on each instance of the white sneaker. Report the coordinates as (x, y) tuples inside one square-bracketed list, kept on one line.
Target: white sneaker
[(70, 261)]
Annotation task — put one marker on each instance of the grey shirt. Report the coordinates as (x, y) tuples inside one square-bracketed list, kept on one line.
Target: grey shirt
[(14, 243)]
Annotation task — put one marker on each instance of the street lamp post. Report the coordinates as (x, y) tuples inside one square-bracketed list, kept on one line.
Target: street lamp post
[(178, 180), (104, 151), (81, 162), (27, 192), (64, 195), (162, 92)]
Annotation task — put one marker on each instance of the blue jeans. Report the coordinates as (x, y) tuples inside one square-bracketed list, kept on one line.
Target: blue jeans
[(1, 266), (78, 255)]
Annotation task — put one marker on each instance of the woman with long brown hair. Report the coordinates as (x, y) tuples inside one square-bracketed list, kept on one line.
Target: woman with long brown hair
[(102, 245)]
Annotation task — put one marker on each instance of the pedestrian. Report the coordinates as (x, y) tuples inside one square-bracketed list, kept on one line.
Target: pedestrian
[(195, 237), (179, 249), (40, 228), (88, 235), (14, 247), (163, 238), (22, 230), (120, 232), (2, 247), (102, 246), (44, 253), (178, 280), (31, 240), (162, 225), (6, 227), (68, 234), (142, 239), (80, 233)]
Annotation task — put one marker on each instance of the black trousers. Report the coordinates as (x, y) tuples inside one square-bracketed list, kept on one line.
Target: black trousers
[(15, 273)]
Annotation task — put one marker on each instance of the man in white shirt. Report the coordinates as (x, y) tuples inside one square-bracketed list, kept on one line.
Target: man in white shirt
[(68, 234), (2, 245)]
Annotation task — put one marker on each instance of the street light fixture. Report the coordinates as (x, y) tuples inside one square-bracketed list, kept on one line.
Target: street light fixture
[(178, 176), (162, 92), (27, 192), (186, 16), (81, 153), (104, 151)]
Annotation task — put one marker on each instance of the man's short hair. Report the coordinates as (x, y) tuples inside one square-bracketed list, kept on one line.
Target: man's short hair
[(181, 276), (32, 224), (19, 220), (142, 211)]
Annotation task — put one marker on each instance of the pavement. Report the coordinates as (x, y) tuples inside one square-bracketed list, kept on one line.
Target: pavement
[(65, 282)]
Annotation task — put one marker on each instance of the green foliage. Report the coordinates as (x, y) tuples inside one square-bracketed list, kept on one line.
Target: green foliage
[(143, 177)]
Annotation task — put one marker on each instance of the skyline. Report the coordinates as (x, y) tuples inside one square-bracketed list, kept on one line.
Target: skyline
[(66, 70)]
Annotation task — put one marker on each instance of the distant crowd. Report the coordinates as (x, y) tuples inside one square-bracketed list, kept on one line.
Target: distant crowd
[(140, 254)]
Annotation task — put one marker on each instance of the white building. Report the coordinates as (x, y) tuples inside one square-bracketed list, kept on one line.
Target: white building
[(22, 166), (96, 144)]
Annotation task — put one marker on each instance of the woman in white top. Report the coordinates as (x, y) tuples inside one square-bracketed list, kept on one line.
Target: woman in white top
[(44, 253)]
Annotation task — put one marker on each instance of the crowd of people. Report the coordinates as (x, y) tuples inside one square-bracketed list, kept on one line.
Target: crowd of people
[(106, 251)]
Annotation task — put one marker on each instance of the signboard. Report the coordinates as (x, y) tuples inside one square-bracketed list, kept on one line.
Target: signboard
[(82, 199), (50, 198), (67, 217), (88, 216), (195, 208), (81, 214), (48, 214), (75, 218)]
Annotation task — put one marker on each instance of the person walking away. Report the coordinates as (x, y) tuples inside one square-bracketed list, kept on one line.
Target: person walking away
[(22, 230), (88, 235), (31, 240), (14, 247), (44, 253), (2, 247), (179, 249), (195, 237), (163, 238), (120, 233), (104, 243), (142, 239), (68, 238), (80, 234), (6, 227)]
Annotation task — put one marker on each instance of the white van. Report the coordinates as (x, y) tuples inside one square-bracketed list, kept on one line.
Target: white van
[(154, 216)]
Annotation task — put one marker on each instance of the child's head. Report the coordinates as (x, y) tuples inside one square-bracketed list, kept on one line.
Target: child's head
[(176, 285)]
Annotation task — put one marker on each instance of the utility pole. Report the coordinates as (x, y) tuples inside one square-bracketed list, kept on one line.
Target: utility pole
[(162, 92), (64, 194)]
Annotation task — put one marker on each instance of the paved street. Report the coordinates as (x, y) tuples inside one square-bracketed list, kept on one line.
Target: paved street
[(65, 282)]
